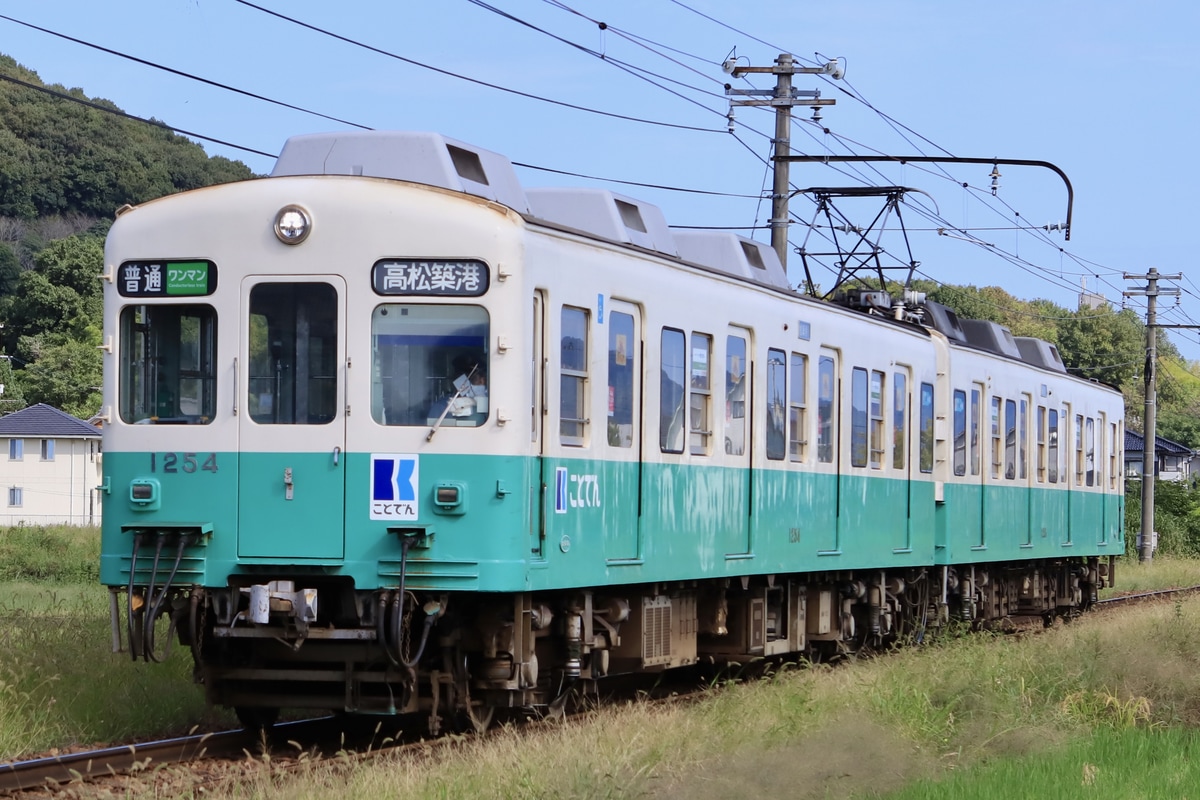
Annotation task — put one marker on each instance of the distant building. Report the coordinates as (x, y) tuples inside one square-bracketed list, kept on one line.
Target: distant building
[(1172, 461), (49, 468)]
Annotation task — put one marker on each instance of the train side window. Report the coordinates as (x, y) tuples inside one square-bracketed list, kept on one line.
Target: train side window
[(976, 445), (875, 407), (621, 369), (1023, 439), (960, 432), (700, 392), (1079, 450), (899, 420), (858, 417), (735, 395), (167, 371), (672, 391), (776, 404), (1052, 437), (927, 427), (997, 441), (826, 381), (1010, 439), (797, 410), (573, 375), (1040, 433), (1089, 465)]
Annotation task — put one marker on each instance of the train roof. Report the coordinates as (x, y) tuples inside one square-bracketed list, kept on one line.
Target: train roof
[(435, 160)]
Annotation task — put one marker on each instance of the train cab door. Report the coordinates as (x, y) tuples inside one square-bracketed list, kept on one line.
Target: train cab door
[(623, 430), (291, 418), (739, 400)]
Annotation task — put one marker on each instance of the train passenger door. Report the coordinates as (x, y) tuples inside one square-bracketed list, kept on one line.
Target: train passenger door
[(291, 418), (537, 433), (623, 429), (739, 399)]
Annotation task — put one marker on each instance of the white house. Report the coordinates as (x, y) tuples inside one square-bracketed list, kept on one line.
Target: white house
[(49, 468)]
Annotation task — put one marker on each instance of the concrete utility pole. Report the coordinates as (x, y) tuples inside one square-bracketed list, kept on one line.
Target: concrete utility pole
[(1151, 293), (782, 98)]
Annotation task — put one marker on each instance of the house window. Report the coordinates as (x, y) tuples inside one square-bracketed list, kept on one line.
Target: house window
[(15, 495), (16, 449), (47, 449)]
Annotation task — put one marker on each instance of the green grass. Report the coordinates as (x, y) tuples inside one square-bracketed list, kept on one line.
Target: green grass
[(60, 683), (1109, 699)]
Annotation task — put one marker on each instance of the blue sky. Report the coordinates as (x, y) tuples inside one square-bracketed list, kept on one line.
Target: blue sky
[(1105, 90)]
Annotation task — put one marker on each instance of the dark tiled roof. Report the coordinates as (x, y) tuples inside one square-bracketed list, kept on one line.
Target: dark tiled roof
[(1135, 443), (45, 422)]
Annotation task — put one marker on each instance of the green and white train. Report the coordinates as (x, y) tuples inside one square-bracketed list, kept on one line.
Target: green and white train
[(388, 432)]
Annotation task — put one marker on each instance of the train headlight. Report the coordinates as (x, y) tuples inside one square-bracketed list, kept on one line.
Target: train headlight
[(292, 224), (145, 494), (450, 497)]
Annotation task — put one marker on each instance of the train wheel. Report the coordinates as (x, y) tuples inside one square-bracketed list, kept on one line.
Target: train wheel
[(255, 719)]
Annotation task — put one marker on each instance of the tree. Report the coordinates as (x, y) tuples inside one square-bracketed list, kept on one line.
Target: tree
[(66, 376), (1103, 345)]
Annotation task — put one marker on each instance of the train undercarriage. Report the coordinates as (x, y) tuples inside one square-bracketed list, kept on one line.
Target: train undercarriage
[(459, 658)]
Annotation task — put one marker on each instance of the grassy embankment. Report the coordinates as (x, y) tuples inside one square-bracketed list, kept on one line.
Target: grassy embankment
[(1104, 706), (60, 683)]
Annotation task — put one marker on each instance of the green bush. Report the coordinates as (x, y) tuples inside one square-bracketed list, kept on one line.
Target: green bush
[(56, 553)]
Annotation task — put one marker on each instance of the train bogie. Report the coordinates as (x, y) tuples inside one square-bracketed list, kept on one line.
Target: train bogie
[(386, 433)]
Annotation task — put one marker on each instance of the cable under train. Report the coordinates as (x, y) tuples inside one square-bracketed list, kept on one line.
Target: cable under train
[(387, 432)]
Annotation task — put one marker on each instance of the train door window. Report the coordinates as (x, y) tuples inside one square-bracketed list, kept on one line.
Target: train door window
[(976, 445), (997, 440), (293, 354), (1040, 433), (1089, 464), (875, 407), (700, 395), (1052, 439), (736, 370), (960, 432), (536, 374), (672, 391), (620, 379), (167, 369), (1113, 463), (927, 427), (858, 417), (429, 365), (1079, 450), (797, 411), (776, 404), (573, 377), (1010, 439), (899, 420), (1023, 439), (826, 383)]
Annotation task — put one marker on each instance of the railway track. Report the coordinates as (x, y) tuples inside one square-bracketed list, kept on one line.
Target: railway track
[(360, 739)]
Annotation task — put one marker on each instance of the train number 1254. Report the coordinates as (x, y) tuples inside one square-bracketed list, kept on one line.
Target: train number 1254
[(183, 462)]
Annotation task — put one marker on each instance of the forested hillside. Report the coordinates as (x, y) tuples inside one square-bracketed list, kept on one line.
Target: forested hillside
[(65, 168)]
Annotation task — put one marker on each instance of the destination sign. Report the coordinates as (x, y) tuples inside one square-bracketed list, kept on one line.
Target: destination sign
[(192, 278), (415, 276)]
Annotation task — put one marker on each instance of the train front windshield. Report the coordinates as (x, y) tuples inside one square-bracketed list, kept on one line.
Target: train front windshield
[(167, 374), (429, 365)]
